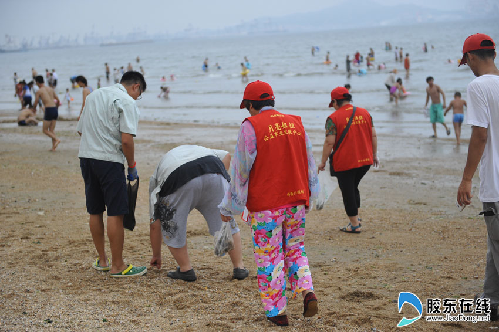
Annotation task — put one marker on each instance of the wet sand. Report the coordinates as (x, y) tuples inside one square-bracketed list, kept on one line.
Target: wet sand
[(414, 239)]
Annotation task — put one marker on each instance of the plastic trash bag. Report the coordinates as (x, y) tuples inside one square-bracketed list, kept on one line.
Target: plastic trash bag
[(426, 112), (223, 240), (129, 219), (328, 185), (245, 215)]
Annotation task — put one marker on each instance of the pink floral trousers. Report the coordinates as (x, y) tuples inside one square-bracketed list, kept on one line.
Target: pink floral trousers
[(278, 239)]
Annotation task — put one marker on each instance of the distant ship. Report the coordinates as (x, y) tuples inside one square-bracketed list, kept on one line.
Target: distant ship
[(12, 50), (113, 43), (12, 45)]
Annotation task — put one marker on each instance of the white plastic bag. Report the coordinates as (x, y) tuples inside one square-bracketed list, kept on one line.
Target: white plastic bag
[(328, 185), (223, 240), (426, 112)]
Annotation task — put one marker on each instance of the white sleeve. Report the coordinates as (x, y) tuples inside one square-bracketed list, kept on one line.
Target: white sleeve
[(154, 189), (220, 153), (478, 114)]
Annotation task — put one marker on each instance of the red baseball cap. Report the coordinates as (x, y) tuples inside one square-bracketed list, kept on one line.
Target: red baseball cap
[(472, 43), (257, 90), (338, 93)]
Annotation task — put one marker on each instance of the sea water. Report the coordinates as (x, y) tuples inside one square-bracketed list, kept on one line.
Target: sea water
[(302, 83)]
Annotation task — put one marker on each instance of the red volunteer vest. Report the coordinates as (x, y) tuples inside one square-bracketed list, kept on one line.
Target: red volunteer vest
[(279, 175), (356, 149)]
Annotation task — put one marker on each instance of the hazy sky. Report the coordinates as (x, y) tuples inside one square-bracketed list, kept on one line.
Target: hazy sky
[(28, 18)]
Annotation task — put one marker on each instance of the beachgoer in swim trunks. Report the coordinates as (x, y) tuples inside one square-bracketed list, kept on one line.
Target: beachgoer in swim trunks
[(49, 99), (457, 106), (27, 118), (436, 108)]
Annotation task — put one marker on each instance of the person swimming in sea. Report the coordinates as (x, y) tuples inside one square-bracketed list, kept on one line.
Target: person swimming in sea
[(247, 64), (327, 62), (393, 91), (244, 73), (164, 92)]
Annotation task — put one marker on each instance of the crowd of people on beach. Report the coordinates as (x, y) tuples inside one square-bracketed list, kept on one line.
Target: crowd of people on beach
[(44, 93), (397, 90), (272, 179), (277, 198)]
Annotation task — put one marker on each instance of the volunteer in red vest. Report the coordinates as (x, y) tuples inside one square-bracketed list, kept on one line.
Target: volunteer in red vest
[(273, 174), (354, 155)]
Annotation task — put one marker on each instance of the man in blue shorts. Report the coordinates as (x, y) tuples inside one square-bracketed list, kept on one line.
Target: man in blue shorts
[(436, 108), (457, 106), (107, 127), (50, 100)]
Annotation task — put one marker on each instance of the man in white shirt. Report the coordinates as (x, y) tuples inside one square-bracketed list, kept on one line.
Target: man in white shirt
[(483, 114), (189, 177), (55, 77), (107, 127)]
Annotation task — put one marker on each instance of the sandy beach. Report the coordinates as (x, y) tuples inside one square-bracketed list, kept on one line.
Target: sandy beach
[(414, 239)]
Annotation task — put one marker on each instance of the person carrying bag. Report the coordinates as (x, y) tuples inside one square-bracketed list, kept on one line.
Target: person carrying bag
[(343, 134), (353, 156)]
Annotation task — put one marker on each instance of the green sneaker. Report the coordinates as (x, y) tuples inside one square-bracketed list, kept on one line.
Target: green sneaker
[(96, 265), (131, 271)]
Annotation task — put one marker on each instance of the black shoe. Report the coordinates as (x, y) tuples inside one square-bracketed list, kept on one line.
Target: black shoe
[(186, 276), (494, 309), (494, 312), (279, 320), (240, 274)]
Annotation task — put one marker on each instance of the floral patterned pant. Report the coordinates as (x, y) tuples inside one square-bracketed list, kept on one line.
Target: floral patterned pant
[(278, 239)]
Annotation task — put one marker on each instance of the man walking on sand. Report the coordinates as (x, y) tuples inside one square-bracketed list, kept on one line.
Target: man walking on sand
[(47, 95), (436, 108), (107, 127), (483, 115)]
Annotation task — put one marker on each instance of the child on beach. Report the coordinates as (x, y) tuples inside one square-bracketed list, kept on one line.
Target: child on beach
[(393, 90), (457, 106), (244, 73), (368, 62), (164, 92), (68, 97)]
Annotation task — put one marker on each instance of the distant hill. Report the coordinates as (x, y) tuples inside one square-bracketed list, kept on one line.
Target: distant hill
[(350, 14)]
